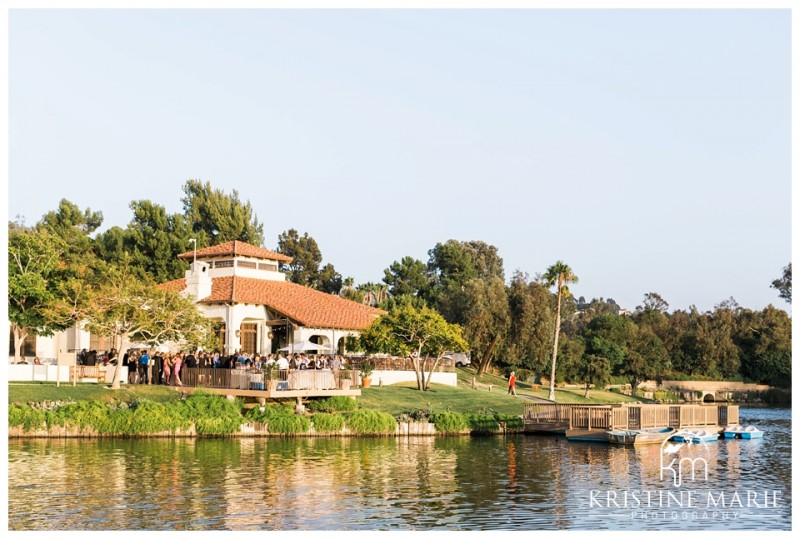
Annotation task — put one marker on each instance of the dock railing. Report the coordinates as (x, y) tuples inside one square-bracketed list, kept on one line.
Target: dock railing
[(629, 416)]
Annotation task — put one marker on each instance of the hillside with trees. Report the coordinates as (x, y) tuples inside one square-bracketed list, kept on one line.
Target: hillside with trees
[(533, 325)]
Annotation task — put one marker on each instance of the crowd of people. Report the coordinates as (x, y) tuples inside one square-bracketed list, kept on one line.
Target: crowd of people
[(166, 368)]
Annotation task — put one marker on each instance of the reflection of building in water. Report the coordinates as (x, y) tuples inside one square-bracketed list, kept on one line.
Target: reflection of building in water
[(320, 477)]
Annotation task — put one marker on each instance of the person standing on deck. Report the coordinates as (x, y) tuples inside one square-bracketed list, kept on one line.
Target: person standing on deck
[(176, 369), (144, 362)]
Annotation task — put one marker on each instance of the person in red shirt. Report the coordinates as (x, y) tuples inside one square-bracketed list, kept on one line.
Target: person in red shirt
[(512, 384)]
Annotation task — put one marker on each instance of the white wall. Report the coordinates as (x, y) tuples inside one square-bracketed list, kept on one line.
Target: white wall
[(49, 373)]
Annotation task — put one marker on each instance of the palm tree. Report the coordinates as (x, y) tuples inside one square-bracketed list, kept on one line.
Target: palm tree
[(561, 275)]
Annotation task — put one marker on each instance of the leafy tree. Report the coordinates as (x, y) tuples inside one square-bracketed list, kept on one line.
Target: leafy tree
[(73, 227), (645, 358), (609, 336), (773, 368), (451, 265), (418, 333), (214, 217), (586, 313), (306, 256), (784, 284), (653, 314), (653, 302), (34, 262), (328, 280), (153, 239), (409, 277), (764, 339), (126, 308), (595, 371), (531, 324), (559, 275), (487, 318)]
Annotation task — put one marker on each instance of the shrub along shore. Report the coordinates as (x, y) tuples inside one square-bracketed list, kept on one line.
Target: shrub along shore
[(208, 415)]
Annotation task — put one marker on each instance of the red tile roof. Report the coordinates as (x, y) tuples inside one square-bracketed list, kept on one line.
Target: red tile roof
[(178, 285), (236, 248), (307, 306)]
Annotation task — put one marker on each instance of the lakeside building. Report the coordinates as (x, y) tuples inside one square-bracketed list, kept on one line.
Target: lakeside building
[(255, 309)]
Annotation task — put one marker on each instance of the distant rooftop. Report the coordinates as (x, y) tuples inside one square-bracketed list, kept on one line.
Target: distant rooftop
[(236, 248)]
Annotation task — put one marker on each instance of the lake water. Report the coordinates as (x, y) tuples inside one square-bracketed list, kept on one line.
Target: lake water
[(455, 483)]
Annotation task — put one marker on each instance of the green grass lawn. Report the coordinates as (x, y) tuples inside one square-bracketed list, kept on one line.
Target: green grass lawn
[(23, 392), (563, 395), (398, 398), (394, 399)]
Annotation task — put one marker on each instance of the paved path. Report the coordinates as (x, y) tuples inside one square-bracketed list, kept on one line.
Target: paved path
[(536, 399)]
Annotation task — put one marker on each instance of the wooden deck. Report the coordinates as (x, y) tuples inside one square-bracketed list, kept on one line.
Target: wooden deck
[(586, 421), (285, 384)]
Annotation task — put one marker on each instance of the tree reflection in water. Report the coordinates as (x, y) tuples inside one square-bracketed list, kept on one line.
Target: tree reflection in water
[(478, 483)]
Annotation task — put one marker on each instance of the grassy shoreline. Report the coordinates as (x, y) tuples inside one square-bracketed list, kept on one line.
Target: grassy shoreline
[(42, 409)]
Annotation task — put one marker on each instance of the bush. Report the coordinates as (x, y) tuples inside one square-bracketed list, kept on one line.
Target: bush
[(270, 412), (449, 422), (212, 414), (512, 422), (328, 422), (149, 418), (333, 404), (88, 414), (482, 423), (289, 424), (371, 422), (25, 416)]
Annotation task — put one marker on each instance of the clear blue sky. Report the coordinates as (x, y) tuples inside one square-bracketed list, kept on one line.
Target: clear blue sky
[(650, 150)]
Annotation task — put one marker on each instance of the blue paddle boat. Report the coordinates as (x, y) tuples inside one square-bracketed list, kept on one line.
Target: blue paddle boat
[(733, 431), (751, 432)]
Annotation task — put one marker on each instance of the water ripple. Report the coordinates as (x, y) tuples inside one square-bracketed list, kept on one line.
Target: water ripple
[(455, 483)]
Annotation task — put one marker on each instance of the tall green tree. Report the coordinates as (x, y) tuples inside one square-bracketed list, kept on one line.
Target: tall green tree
[(406, 277), (783, 284), (214, 217), (421, 334), (73, 227), (559, 275), (645, 358), (153, 239), (306, 256), (487, 318), (328, 280), (531, 324), (596, 371), (35, 260), (451, 265)]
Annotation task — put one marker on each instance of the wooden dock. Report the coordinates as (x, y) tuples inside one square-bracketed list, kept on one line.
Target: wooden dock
[(589, 422)]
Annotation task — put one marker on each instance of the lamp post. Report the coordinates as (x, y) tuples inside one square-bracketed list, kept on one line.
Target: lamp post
[(194, 259)]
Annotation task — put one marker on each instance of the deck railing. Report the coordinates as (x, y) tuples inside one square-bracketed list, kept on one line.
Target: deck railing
[(277, 380), (590, 417)]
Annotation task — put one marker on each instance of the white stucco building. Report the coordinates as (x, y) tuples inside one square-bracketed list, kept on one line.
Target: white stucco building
[(239, 286)]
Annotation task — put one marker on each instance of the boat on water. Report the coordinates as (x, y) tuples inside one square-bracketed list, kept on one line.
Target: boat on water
[(745, 433), (640, 437), (697, 436), (733, 431), (751, 432)]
